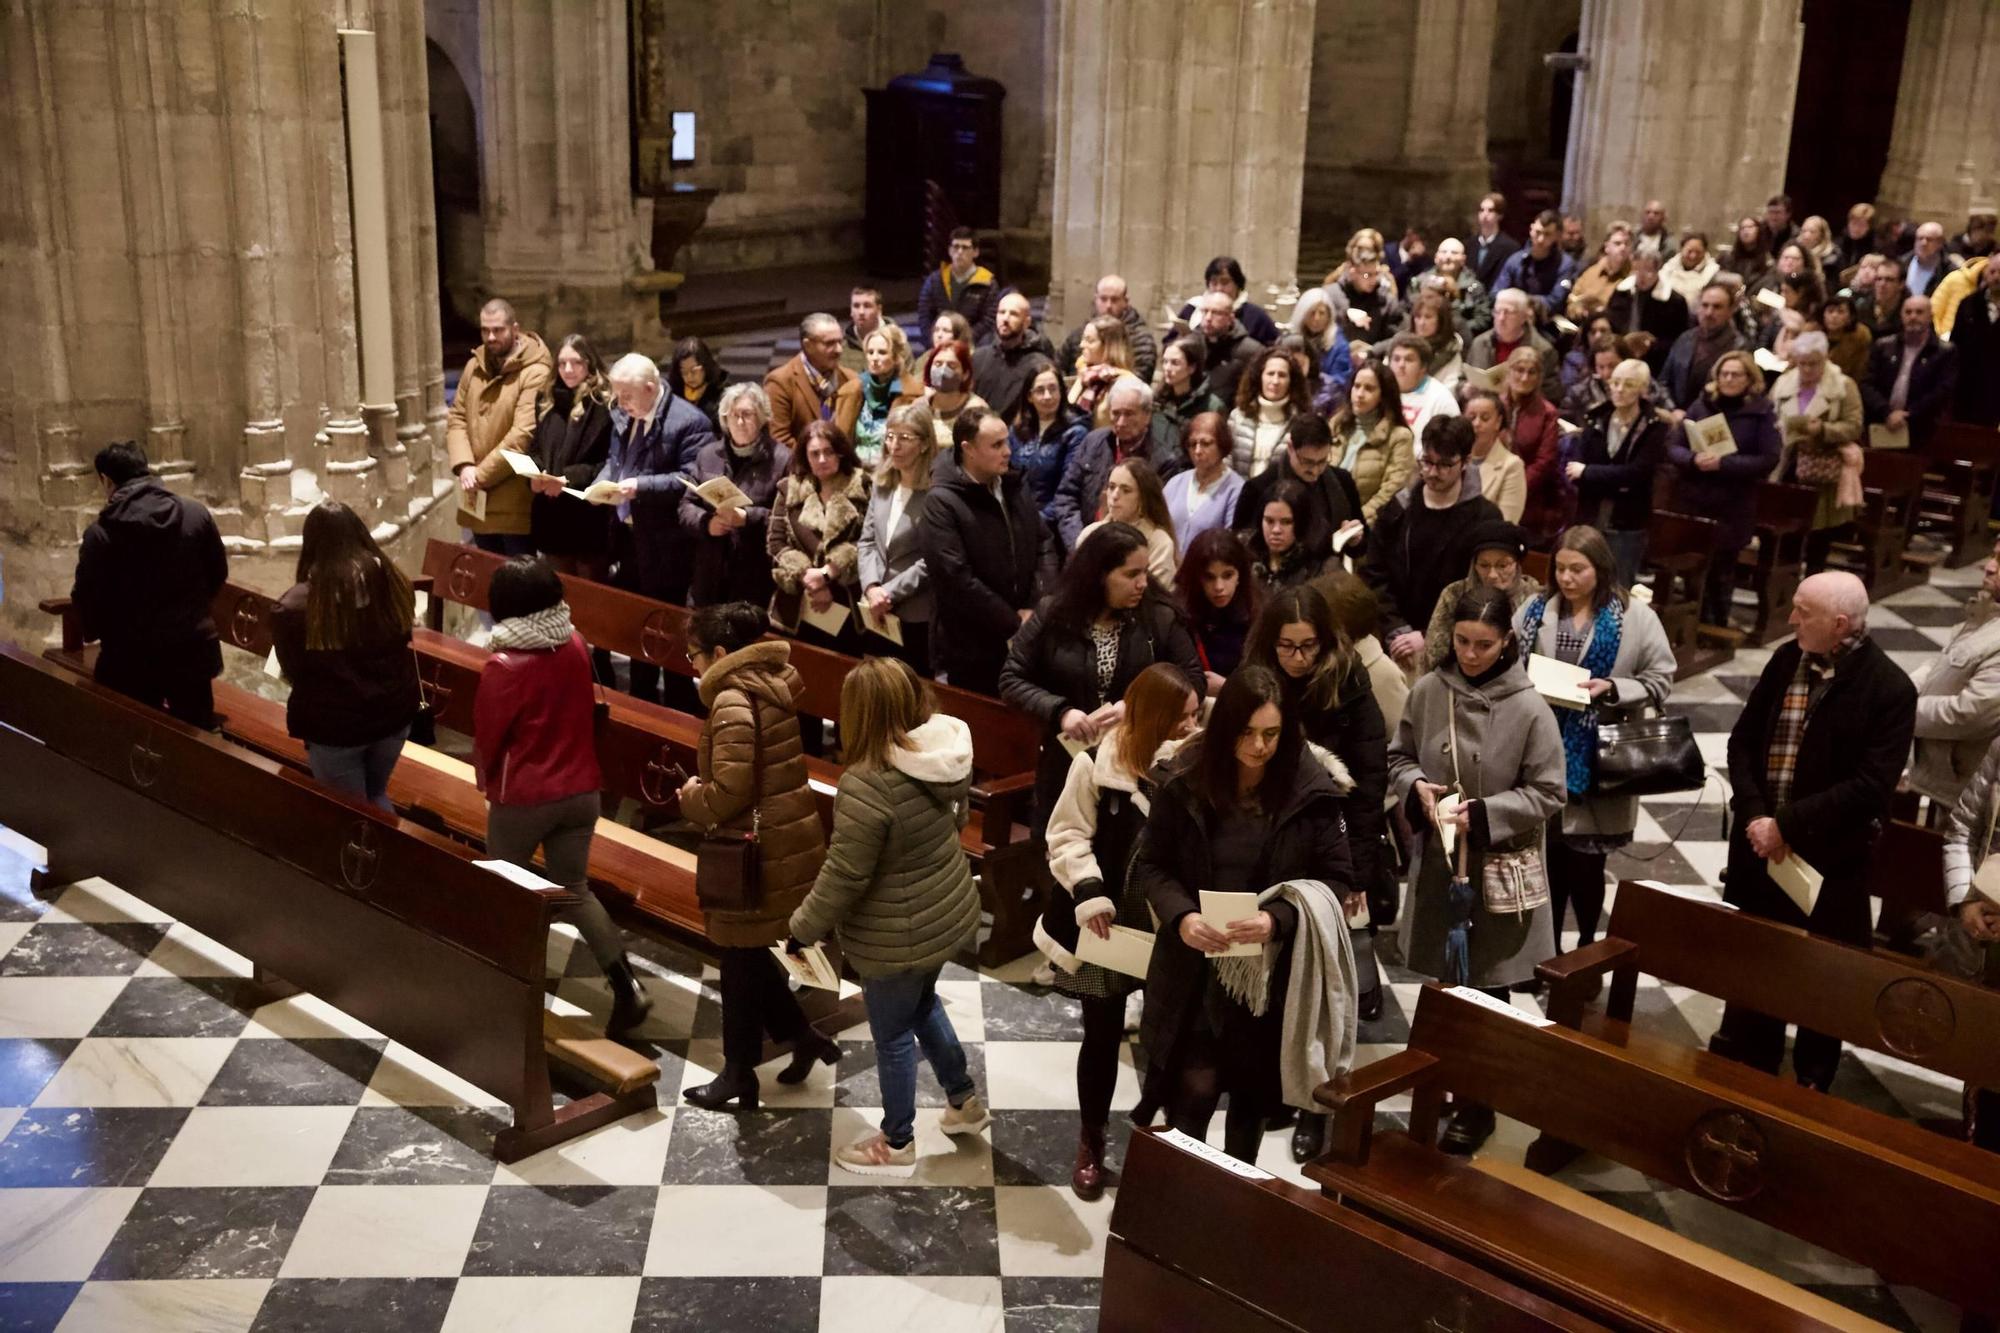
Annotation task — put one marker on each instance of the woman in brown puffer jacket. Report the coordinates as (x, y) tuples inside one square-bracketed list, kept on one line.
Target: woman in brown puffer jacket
[(752, 776)]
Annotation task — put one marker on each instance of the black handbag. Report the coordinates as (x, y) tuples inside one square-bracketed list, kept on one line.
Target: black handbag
[(1648, 756)]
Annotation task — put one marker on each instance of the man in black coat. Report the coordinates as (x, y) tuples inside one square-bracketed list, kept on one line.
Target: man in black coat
[(1490, 247), (1133, 432), (1002, 366), (148, 570), (1813, 760), (989, 553), (1651, 306), (1332, 500), (1911, 378), (1423, 538), (1975, 337), (1231, 347)]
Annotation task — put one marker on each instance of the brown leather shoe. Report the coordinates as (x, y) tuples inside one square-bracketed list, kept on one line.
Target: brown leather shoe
[(1087, 1178)]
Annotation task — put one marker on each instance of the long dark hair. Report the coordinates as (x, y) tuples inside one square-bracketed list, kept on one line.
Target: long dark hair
[(1079, 595), (1211, 771), (354, 593), (1589, 543), (1208, 547), (594, 386), (1303, 605), (1389, 407), (1493, 609), (1026, 425), (1308, 542), (697, 351), (843, 449), (1250, 386)]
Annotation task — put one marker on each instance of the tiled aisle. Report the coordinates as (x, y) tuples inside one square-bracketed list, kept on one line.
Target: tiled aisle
[(173, 1158)]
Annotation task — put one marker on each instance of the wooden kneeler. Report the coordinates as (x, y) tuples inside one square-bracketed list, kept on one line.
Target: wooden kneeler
[(576, 1046)]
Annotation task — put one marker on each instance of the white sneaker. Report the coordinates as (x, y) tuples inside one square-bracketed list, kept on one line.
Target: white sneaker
[(969, 1117), (1045, 975), (1135, 1010), (873, 1156)]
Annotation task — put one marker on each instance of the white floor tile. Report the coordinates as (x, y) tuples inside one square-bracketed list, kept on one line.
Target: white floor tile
[(54, 1006), (386, 1231), (58, 1235), (177, 1306), (404, 1078), (632, 1151), (910, 1305), (704, 1062), (1042, 1074), (254, 1145), (137, 1071), (305, 1016), (537, 1304), (730, 1230), (99, 901), (186, 952), (1046, 1231)]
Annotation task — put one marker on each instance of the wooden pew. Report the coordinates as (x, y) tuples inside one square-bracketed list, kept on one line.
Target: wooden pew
[(1957, 500), (1264, 1252), (380, 918), (1006, 743), (1914, 1206), (1907, 874), (1893, 483), (1874, 1000), (1679, 550), (1774, 570)]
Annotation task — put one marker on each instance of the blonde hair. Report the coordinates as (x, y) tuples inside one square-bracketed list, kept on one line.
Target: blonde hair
[(1117, 342), (917, 417), (899, 345), (1751, 371), (881, 702)]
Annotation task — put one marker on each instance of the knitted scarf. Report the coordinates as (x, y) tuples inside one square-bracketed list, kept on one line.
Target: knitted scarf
[(539, 631), (1579, 726)]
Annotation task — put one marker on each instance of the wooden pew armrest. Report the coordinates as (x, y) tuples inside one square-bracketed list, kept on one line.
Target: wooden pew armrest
[(1353, 1096), (64, 610), (1571, 976), (1001, 800)]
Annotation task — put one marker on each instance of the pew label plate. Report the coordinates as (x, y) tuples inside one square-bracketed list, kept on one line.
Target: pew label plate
[(1485, 1001), (1214, 1156)]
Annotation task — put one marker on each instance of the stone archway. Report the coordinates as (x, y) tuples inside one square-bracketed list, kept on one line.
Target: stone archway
[(461, 238)]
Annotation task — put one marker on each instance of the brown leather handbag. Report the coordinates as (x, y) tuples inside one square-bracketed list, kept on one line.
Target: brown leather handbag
[(729, 867)]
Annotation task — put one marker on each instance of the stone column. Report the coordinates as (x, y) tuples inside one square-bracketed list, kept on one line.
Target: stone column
[(1397, 131), (1944, 155), (1687, 100), (562, 239), (1180, 135)]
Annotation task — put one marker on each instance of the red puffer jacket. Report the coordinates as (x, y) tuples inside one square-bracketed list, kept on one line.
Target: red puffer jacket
[(534, 737)]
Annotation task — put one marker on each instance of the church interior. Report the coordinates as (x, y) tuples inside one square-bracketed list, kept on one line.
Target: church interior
[(274, 1060)]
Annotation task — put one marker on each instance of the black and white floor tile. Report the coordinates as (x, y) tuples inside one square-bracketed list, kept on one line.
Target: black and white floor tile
[(176, 1155)]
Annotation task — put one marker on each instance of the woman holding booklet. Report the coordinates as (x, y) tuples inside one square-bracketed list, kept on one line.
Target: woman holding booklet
[(751, 781), (1092, 834), (1478, 762), (1623, 447), (897, 890), (1589, 622), (745, 466), (1250, 990), (814, 540), (896, 596), (1716, 471)]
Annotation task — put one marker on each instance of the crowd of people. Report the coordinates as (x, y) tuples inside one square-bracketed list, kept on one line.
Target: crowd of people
[(1263, 587)]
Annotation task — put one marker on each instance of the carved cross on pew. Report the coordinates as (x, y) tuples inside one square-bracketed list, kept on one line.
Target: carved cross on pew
[(1725, 1155)]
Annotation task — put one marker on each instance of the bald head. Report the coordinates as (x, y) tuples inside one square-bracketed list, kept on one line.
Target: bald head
[(1827, 608), (1110, 297)]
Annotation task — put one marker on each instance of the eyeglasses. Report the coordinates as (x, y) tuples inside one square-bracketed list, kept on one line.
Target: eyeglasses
[(742, 414), (1306, 648)]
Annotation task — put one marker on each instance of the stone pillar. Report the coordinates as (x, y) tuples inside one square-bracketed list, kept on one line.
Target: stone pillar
[(1687, 100), (177, 264), (562, 238), (1944, 155), (1180, 135), (1397, 131)]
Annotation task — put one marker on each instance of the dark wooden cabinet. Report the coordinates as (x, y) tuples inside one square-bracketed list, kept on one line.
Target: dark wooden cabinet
[(933, 147)]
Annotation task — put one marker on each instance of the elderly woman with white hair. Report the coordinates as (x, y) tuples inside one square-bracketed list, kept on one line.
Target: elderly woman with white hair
[(1723, 487), (655, 437), (1623, 445), (730, 564), (1817, 408)]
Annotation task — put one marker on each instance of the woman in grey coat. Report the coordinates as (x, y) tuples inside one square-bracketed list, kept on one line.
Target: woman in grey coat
[(1476, 728), (894, 580), (1588, 620)]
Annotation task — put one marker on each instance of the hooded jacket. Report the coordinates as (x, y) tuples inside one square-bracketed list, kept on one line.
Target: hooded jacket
[(496, 408), (146, 573), (896, 887), (1958, 704), (750, 696), (977, 298)]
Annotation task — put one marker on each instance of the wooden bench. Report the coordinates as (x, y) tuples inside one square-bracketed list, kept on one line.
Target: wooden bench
[(1772, 572), (1916, 1207), (1264, 1251), (1892, 486), (1907, 874), (381, 918), (1006, 743), (1957, 500), (1874, 1000), (1679, 551)]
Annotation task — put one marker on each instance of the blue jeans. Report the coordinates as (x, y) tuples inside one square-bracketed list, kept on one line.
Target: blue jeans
[(361, 769), (903, 1013), (1628, 548)]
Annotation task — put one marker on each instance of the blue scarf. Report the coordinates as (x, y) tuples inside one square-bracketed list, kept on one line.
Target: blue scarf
[(1579, 726)]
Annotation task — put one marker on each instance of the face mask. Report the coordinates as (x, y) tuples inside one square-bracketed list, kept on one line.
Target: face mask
[(944, 376)]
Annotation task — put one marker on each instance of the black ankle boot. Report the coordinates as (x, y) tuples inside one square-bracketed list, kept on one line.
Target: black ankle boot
[(1470, 1126), (1309, 1139), (629, 1005), (1368, 1008), (809, 1049), (736, 1083)]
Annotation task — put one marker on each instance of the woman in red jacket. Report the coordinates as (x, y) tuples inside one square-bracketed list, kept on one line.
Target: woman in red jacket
[(535, 755), (1535, 440)]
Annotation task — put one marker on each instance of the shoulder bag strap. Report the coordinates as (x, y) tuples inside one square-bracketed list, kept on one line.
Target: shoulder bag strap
[(756, 768)]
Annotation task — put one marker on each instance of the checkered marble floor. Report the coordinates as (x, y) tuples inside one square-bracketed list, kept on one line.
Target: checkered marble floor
[(176, 1155)]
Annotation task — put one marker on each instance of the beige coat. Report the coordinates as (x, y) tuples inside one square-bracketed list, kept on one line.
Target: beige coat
[(1838, 405), (1386, 462), (1958, 705), (1503, 479), (747, 692), (491, 412)]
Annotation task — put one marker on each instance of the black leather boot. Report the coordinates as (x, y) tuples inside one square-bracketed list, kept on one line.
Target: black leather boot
[(809, 1049), (1309, 1138), (1470, 1126), (736, 1083), (629, 1005)]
